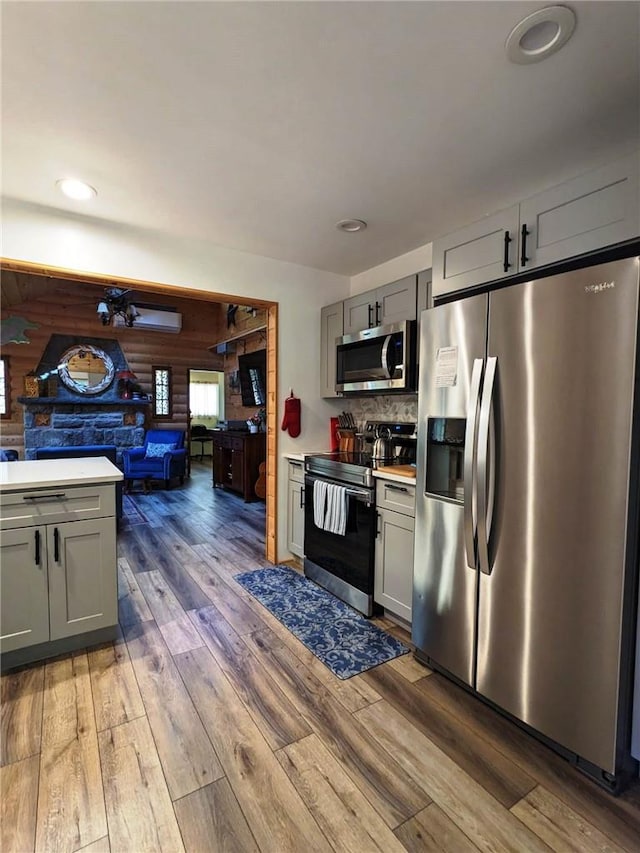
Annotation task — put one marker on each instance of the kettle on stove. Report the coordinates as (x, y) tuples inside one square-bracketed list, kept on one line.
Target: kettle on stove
[(382, 445)]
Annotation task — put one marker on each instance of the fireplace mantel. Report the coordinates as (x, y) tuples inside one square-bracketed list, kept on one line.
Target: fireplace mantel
[(80, 401)]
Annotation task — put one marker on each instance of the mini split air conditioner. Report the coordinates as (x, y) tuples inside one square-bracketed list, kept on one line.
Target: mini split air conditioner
[(154, 320)]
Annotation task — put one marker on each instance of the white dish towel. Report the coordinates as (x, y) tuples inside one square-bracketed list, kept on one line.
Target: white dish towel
[(336, 517), (330, 507), (319, 503)]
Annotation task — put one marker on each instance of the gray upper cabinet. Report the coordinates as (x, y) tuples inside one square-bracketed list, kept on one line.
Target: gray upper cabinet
[(331, 327), (587, 213), (484, 251), (423, 301), (582, 215), (359, 312), (390, 303), (397, 300)]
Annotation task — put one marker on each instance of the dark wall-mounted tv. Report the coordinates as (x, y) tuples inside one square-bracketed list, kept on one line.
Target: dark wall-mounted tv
[(253, 378)]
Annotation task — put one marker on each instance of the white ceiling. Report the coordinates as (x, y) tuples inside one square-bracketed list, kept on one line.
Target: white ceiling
[(258, 125)]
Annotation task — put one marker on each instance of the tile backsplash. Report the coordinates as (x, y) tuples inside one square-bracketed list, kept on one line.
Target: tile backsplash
[(390, 407)]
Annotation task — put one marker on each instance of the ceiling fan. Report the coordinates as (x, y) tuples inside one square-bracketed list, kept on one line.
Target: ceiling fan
[(115, 303)]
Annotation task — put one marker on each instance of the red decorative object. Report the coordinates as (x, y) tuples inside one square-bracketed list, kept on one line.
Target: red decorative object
[(125, 378), (291, 419)]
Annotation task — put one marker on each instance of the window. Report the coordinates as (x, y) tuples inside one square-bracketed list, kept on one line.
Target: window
[(161, 377), (204, 399), (5, 388)]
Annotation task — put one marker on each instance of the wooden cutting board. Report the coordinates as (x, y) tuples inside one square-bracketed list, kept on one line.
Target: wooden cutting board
[(401, 470)]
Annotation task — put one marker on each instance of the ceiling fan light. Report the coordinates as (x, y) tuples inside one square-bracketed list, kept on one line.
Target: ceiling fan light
[(130, 315)]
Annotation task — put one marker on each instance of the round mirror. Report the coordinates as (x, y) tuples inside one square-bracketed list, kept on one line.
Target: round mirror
[(86, 369)]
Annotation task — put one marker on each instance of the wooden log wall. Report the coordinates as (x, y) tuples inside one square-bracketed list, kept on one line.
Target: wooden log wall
[(243, 341), (64, 307)]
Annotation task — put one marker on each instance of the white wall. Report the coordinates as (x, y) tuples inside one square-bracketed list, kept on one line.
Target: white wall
[(412, 262), (44, 236)]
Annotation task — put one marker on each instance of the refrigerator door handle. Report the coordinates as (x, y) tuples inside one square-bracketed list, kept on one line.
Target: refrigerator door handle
[(470, 453), (486, 466)]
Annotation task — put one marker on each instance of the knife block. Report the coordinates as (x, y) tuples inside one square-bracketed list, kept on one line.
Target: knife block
[(347, 443)]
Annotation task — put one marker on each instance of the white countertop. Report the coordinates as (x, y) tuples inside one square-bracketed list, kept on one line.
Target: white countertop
[(47, 473), (299, 457), (396, 478)]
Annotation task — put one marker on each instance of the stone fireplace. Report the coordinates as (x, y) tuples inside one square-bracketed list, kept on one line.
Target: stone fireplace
[(52, 423), (72, 419)]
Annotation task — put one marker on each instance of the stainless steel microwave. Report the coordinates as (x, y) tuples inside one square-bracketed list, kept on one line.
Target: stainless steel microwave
[(380, 359)]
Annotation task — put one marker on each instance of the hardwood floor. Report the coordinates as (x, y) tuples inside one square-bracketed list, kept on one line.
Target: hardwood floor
[(207, 726)]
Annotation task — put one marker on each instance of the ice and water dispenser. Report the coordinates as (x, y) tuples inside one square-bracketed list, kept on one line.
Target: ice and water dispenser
[(445, 458)]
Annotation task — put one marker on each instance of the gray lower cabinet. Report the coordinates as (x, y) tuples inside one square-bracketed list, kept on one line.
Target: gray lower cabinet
[(295, 509), (83, 583), (331, 327), (390, 303), (24, 588), (587, 213), (393, 586), (58, 578)]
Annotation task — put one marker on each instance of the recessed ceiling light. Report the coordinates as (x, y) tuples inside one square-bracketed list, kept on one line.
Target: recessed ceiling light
[(351, 225), (540, 34), (75, 189)]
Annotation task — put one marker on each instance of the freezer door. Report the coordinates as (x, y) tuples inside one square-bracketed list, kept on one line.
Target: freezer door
[(550, 622), (453, 341)]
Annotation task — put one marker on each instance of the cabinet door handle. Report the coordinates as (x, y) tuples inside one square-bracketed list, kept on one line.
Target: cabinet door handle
[(377, 524), (507, 240), (302, 498), (37, 547), (395, 488), (523, 246), (378, 307), (56, 545), (370, 315), (59, 496)]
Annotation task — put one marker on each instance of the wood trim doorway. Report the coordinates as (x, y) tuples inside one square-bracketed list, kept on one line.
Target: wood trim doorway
[(79, 276)]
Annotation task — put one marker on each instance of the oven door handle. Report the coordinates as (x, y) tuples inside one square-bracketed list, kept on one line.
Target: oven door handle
[(365, 495)]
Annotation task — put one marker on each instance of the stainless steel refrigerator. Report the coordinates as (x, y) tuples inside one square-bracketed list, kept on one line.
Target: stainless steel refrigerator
[(526, 518)]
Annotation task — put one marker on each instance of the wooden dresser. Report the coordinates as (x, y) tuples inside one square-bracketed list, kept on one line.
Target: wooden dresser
[(236, 461)]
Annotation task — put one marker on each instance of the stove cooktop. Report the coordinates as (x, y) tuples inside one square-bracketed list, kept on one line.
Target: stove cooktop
[(348, 467)]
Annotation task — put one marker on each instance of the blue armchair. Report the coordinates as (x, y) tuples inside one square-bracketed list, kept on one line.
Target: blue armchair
[(161, 457)]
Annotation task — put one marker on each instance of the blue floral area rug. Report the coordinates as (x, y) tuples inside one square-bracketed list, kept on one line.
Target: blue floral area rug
[(340, 637)]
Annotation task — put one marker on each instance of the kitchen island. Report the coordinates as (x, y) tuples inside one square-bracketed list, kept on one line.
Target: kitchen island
[(58, 571)]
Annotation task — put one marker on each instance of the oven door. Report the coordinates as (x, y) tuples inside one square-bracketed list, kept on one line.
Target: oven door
[(343, 564)]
